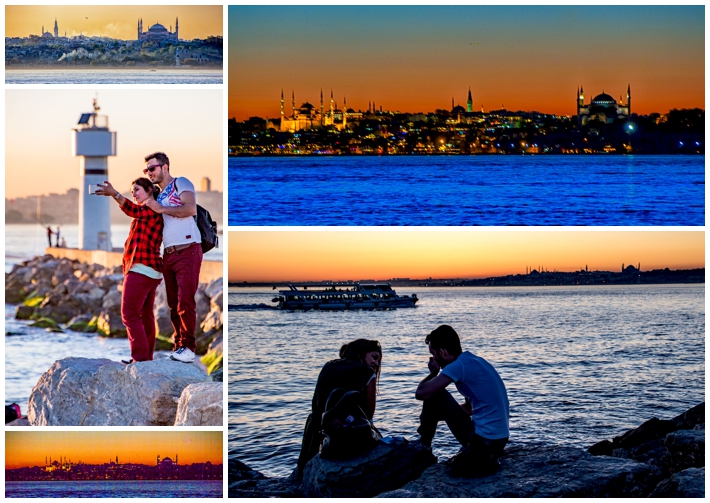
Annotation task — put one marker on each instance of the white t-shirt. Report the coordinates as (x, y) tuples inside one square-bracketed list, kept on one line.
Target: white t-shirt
[(178, 231), (477, 380)]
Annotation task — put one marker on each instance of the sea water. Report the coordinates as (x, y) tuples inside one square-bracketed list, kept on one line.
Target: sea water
[(467, 190), (115, 489), (581, 364), (113, 76)]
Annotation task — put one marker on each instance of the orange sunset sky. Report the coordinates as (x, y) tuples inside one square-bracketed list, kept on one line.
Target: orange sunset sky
[(339, 254), (114, 21), (30, 448), (416, 58)]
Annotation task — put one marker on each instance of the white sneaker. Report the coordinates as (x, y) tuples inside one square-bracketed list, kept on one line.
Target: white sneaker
[(184, 355)]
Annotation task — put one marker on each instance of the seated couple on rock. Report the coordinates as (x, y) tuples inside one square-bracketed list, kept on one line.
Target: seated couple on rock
[(480, 424), (161, 213)]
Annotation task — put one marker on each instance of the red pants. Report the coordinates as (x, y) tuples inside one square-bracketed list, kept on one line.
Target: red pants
[(137, 314), (181, 270)]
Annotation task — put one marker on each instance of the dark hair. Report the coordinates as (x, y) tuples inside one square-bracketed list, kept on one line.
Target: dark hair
[(357, 349), (158, 156), (151, 189), (445, 337)]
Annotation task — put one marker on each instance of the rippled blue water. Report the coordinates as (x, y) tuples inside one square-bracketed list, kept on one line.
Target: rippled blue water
[(106, 76), (580, 363), (468, 190), (116, 489)]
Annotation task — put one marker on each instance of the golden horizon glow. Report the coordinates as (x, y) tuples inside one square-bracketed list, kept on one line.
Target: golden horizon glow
[(114, 21), (338, 255), (30, 448), (186, 124), (417, 58)]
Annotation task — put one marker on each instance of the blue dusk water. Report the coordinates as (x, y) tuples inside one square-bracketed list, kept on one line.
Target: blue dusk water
[(114, 76), (116, 489), (580, 364), (467, 190)]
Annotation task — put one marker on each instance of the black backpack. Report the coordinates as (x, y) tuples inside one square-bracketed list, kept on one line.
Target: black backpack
[(208, 229), (347, 431), (207, 226)]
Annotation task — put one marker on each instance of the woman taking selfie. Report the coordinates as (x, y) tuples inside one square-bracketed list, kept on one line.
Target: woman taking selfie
[(142, 266)]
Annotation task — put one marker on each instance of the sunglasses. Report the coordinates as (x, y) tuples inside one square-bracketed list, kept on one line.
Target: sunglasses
[(150, 169)]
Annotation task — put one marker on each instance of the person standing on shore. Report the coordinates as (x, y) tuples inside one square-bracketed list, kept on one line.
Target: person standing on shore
[(182, 259), (480, 424), (142, 266), (49, 235), (57, 233)]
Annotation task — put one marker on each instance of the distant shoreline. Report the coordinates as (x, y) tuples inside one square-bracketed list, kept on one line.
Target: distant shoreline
[(482, 154), (94, 68), (578, 278)]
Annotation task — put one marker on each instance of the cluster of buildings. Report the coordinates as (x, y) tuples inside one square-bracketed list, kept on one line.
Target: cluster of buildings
[(602, 125), (157, 45), (164, 469)]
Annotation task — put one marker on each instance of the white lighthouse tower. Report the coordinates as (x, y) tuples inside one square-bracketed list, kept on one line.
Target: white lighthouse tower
[(92, 142)]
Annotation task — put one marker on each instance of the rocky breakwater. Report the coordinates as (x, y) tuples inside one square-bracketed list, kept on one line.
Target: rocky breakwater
[(618, 468), (100, 392), (63, 294)]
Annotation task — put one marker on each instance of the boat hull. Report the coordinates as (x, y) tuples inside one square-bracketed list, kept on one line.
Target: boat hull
[(307, 305)]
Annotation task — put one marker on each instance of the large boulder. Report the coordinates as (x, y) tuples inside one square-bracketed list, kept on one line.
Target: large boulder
[(684, 449), (244, 482), (387, 466), (15, 291), (689, 483), (200, 404), (100, 392), (542, 472), (110, 323)]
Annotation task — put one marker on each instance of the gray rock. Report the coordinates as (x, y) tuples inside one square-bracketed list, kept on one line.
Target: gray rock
[(200, 404), (213, 320), (689, 483), (216, 286), (24, 312), (540, 471), (112, 299), (385, 467), (162, 322), (15, 291), (64, 270), (217, 300), (688, 419), (100, 392), (684, 449), (110, 324)]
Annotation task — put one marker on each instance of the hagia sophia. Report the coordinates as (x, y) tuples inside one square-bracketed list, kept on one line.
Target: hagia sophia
[(157, 32), (603, 108)]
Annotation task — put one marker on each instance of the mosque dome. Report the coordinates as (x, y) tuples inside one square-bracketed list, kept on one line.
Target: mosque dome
[(157, 28), (46, 34), (603, 99), (306, 107), (458, 109)]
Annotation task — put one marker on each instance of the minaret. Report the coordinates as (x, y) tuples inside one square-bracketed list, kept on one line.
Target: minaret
[(469, 103), (628, 98), (321, 108), (42, 29), (345, 112), (580, 104), (452, 103), (282, 106), (177, 37), (293, 104), (331, 104), (56, 29), (158, 460), (176, 459), (92, 142)]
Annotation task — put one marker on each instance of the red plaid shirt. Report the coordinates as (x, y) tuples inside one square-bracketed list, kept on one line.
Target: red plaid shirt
[(144, 238)]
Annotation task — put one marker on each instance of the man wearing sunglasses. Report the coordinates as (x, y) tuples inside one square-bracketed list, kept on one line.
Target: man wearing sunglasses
[(182, 257)]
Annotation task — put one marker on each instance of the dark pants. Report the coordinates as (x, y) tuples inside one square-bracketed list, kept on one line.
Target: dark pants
[(137, 303), (181, 271), (441, 406)]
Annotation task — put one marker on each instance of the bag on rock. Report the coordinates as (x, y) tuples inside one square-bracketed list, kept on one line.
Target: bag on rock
[(347, 432)]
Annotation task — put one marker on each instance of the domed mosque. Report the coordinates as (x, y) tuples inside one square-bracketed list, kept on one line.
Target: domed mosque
[(603, 108), (157, 33)]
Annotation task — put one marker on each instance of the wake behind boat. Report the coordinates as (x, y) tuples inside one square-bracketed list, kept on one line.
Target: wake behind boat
[(343, 296)]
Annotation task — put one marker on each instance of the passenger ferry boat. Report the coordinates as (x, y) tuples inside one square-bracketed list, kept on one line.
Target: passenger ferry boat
[(343, 296)]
